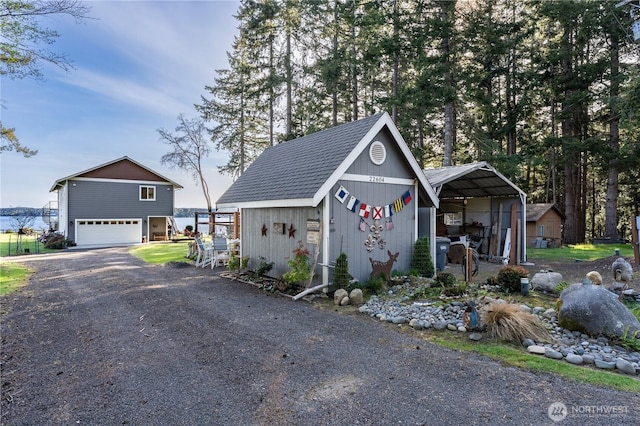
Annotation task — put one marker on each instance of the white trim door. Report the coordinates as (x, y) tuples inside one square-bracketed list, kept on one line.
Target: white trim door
[(108, 231)]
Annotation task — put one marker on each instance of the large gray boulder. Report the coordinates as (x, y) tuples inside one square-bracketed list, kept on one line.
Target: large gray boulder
[(546, 280), (594, 310)]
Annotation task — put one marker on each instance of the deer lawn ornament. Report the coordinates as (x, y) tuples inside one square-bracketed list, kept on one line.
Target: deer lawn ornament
[(380, 267)]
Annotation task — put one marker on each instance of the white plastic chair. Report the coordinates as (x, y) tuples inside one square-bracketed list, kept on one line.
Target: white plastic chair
[(220, 252), (205, 253)]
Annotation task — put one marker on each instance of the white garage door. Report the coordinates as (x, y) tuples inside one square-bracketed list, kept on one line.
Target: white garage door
[(108, 231)]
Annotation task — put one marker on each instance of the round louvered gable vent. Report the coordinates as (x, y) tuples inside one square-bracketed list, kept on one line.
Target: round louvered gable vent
[(377, 153)]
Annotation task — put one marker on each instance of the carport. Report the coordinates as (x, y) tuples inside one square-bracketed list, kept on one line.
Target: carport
[(479, 203)]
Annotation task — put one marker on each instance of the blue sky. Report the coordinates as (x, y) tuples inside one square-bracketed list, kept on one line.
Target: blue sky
[(137, 66)]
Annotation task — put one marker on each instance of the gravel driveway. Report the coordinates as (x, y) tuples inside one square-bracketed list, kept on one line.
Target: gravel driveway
[(99, 337)]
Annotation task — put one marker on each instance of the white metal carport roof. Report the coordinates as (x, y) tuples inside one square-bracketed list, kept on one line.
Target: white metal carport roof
[(471, 181)]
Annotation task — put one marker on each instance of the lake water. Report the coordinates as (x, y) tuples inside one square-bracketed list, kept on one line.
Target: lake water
[(8, 222)]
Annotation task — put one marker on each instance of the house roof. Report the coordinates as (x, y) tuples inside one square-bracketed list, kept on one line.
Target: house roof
[(474, 180), (302, 171), (106, 171), (536, 210)]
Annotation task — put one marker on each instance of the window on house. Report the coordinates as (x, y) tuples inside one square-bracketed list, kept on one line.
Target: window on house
[(453, 218), (147, 193), (541, 230)]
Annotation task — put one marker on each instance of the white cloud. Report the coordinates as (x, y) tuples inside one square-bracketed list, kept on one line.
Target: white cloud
[(138, 65)]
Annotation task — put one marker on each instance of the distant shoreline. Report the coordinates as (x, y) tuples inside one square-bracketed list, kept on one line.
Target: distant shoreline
[(33, 211)]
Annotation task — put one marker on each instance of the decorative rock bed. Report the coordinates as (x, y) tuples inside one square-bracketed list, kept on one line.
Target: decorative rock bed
[(572, 346)]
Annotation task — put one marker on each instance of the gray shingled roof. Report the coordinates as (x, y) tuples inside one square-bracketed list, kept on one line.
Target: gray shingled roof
[(60, 182), (469, 181), (536, 210), (298, 168)]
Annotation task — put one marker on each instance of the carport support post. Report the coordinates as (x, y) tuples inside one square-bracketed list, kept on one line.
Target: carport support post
[(469, 264), (514, 239)]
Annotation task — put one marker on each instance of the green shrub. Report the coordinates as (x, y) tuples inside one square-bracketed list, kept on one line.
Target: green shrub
[(458, 289), (263, 267), (56, 241), (422, 261), (237, 264), (341, 276), (445, 279), (375, 284), (410, 273), (299, 264), (509, 277)]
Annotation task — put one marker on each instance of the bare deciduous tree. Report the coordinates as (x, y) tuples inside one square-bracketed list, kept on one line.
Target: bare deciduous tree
[(190, 146)]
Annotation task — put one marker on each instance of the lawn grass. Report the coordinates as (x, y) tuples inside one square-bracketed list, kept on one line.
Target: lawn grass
[(12, 276), (162, 252), (580, 251), (511, 355), (8, 245)]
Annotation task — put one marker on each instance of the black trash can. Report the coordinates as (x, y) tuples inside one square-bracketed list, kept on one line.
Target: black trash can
[(442, 248)]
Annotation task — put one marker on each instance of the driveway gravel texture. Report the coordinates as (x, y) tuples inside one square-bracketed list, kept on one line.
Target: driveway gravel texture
[(98, 337)]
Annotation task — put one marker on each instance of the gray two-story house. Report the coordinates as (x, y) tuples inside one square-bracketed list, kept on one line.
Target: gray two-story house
[(119, 202)]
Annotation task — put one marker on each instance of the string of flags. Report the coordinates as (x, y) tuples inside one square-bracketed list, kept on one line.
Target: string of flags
[(365, 210)]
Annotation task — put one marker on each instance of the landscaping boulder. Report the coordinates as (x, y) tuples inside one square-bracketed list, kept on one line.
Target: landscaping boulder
[(356, 296), (546, 281), (339, 295), (594, 310)]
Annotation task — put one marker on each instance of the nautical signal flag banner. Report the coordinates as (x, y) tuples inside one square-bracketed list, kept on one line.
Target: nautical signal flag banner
[(342, 194), (377, 213), (353, 203), (365, 210), (397, 205), (406, 198), (388, 210)]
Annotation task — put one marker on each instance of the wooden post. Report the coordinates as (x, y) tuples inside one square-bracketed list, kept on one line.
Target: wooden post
[(499, 241), (514, 218), (635, 239)]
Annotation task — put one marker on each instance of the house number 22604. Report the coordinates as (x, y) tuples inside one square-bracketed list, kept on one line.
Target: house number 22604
[(376, 179)]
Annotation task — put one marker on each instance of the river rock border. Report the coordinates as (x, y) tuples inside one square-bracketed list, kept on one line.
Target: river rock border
[(573, 347)]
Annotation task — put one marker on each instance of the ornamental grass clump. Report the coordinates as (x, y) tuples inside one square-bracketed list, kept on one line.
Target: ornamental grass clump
[(505, 321)]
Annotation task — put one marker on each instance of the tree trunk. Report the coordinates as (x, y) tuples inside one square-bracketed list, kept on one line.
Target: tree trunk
[(287, 64), (396, 60), (611, 205), (571, 159), (354, 76), (271, 91), (449, 108)]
